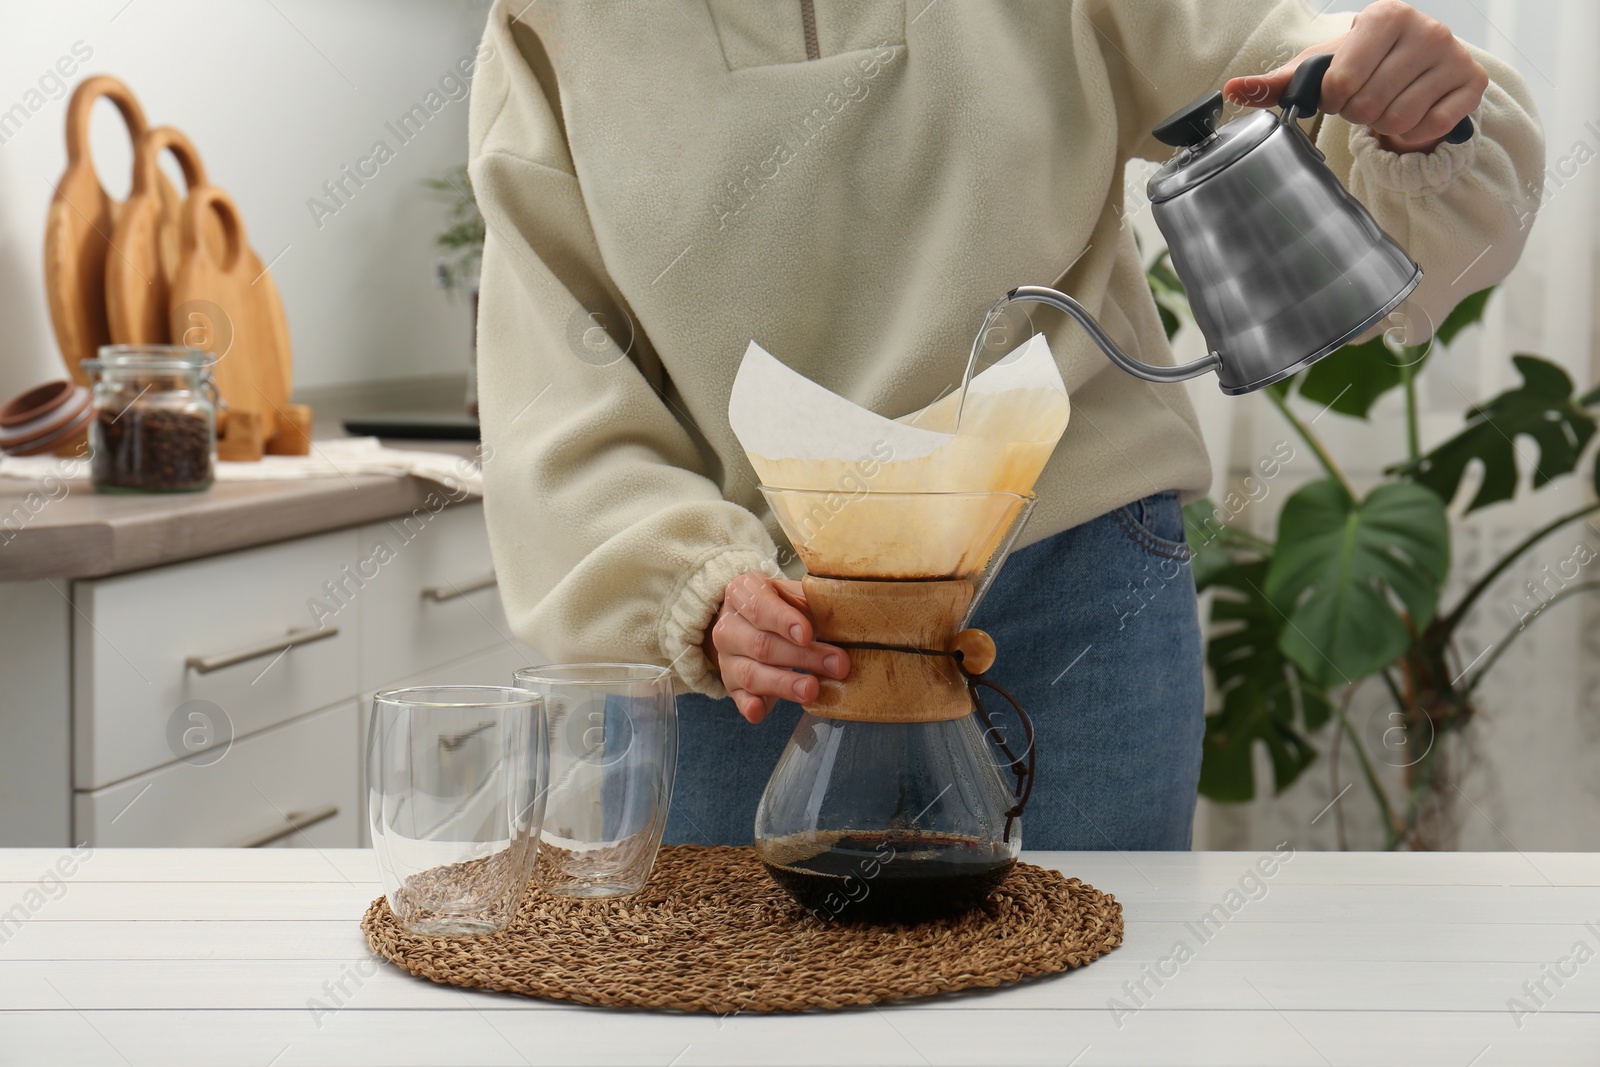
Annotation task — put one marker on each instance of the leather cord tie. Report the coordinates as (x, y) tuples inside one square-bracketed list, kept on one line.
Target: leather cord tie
[(1021, 766)]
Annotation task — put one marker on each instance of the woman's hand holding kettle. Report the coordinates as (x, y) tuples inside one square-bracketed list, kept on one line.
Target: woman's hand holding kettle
[(1398, 71)]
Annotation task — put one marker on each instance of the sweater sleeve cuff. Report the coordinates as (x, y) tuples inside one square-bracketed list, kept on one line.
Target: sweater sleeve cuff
[(690, 613), (1413, 172)]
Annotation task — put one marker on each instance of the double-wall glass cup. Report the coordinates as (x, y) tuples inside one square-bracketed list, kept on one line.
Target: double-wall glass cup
[(456, 786), (613, 740)]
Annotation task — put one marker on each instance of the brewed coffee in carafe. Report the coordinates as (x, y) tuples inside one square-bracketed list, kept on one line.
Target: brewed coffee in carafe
[(899, 796), (904, 868)]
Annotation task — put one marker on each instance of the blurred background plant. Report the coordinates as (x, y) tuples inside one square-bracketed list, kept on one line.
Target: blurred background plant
[(460, 246), (1351, 587), (460, 243)]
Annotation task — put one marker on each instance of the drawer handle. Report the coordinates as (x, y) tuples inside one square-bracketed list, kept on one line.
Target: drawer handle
[(441, 593), (294, 822), (293, 639)]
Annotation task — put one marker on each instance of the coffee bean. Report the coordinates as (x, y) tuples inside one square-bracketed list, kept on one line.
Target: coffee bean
[(150, 449)]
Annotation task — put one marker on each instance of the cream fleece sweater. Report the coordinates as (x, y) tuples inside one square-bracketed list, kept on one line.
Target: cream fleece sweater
[(665, 181)]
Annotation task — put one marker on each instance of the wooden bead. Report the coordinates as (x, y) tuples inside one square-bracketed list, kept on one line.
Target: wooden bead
[(977, 650)]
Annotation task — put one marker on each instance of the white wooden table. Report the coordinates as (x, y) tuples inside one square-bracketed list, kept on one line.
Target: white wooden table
[(255, 957)]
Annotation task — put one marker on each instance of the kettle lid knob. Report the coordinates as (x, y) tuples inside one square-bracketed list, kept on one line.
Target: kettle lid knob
[(1191, 125)]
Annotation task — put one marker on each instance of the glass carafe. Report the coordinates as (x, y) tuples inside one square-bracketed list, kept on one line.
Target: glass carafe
[(898, 797)]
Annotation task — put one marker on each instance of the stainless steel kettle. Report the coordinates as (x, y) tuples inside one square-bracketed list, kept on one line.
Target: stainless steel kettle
[(1282, 265)]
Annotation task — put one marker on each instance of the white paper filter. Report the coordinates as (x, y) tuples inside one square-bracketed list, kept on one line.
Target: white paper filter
[(800, 436)]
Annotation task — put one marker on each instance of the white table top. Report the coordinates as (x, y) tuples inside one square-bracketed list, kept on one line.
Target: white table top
[(238, 957)]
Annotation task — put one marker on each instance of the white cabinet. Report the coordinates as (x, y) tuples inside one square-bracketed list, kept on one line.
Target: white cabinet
[(294, 784), (223, 701), (171, 660), (431, 596), (35, 723)]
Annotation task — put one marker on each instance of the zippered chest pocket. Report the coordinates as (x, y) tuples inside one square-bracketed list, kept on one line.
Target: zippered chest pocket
[(775, 32)]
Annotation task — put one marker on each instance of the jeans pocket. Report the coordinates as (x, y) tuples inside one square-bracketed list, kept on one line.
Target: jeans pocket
[(1155, 524)]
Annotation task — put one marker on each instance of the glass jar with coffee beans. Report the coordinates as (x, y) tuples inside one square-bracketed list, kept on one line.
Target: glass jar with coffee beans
[(155, 423)]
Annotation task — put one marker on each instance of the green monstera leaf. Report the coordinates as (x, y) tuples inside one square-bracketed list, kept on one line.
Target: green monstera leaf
[(1172, 302), (1542, 408), (1464, 314), (1339, 565), (1266, 699), (1352, 379), (1211, 541)]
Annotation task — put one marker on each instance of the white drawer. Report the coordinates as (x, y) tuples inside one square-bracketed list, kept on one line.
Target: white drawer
[(432, 599), (304, 772), (148, 644)]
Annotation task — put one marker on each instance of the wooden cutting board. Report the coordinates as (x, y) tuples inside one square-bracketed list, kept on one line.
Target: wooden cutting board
[(276, 368), (148, 237), (212, 295), (79, 225), (293, 436), (139, 304)]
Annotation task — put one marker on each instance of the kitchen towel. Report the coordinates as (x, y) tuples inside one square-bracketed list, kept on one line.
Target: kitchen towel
[(339, 457)]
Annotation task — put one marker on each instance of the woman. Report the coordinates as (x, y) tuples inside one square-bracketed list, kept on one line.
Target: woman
[(850, 184)]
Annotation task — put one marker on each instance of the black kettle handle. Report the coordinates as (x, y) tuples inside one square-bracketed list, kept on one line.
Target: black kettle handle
[(1305, 87), (1305, 94)]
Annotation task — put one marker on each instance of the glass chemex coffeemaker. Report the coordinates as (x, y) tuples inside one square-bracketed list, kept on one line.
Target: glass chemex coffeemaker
[(893, 799), (900, 794)]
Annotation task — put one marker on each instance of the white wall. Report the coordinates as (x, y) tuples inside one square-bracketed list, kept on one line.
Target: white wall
[(277, 97)]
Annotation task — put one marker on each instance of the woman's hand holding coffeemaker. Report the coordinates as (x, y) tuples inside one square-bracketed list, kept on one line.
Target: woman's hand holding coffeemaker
[(762, 641)]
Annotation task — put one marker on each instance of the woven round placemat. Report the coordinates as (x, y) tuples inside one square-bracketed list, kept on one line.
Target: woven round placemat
[(711, 932)]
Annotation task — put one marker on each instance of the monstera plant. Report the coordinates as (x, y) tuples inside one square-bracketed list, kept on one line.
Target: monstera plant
[(1352, 588), (460, 243), (460, 246)]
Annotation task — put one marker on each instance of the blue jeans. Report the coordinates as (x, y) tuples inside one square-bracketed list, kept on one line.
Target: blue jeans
[(1099, 640)]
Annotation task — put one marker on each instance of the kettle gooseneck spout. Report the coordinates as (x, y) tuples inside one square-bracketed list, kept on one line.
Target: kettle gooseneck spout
[(1039, 294)]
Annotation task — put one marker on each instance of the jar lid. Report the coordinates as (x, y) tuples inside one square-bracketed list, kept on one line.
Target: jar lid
[(149, 358), (25, 426)]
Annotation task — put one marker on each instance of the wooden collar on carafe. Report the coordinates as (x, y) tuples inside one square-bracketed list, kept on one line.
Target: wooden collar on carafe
[(906, 654)]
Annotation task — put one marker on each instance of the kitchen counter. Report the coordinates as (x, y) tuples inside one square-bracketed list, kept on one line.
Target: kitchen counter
[(256, 957), (85, 534)]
